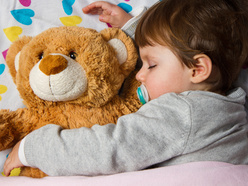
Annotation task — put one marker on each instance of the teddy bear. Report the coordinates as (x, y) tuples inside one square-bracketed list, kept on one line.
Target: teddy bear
[(70, 76)]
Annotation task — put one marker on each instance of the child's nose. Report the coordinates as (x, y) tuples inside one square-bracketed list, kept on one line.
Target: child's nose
[(140, 76)]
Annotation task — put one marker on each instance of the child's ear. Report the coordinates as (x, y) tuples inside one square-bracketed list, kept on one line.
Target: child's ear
[(202, 70)]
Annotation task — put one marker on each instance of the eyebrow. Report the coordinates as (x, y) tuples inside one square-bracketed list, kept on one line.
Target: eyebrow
[(151, 57)]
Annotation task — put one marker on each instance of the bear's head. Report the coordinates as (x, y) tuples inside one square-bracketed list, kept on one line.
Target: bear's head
[(73, 64)]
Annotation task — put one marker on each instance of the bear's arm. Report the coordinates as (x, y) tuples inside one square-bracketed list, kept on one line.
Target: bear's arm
[(14, 125)]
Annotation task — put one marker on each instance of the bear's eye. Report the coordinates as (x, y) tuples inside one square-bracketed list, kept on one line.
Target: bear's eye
[(40, 56), (73, 55)]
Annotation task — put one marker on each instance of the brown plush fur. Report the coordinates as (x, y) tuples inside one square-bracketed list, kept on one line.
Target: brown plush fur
[(101, 103)]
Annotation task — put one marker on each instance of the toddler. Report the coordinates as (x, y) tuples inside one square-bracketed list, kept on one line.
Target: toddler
[(192, 52)]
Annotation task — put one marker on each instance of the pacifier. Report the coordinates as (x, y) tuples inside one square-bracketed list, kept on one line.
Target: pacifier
[(142, 94)]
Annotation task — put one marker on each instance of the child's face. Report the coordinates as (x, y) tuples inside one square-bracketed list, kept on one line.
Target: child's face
[(162, 72)]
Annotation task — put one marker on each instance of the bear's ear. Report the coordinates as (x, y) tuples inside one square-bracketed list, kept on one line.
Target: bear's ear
[(124, 46), (13, 54)]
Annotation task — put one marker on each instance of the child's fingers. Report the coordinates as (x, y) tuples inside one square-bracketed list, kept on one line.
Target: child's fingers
[(96, 11), (106, 19), (12, 160), (7, 167), (96, 6), (88, 10)]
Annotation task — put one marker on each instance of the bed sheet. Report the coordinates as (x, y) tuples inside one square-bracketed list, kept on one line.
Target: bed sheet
[(190, 174)]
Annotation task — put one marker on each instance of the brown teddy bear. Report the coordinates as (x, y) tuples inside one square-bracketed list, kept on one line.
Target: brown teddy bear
[(70, 76)]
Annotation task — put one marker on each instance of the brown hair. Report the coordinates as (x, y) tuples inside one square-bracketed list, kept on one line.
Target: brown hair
[(217, 28)]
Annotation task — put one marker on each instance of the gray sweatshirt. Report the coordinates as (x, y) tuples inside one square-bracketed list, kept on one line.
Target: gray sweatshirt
[(169, 130)]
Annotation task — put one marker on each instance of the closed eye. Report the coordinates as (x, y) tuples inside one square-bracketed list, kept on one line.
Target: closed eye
[(152, 66)]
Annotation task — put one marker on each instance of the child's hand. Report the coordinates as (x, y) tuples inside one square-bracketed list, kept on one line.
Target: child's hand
[(109, 13), (13, 160)]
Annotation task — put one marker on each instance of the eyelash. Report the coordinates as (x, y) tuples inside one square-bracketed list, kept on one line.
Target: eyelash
[(150, 67)]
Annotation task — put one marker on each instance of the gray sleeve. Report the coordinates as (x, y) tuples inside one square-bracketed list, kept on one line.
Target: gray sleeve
[(137, 141), (242, 82)]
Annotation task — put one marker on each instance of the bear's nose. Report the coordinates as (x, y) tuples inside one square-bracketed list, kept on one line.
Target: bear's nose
[(53, 64)]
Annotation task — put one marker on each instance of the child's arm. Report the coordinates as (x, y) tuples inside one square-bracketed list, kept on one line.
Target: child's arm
[(109, 13), (132, 144)]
